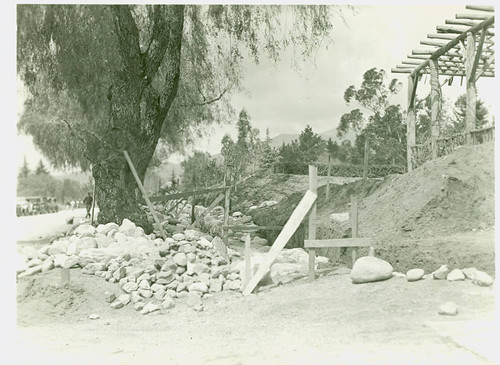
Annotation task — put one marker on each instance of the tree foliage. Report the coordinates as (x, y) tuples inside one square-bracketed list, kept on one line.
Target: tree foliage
[(305, 150), (41, 169), (200, 171), (383, 126), (452, 117), (311, 145), (459, 114), (24, 171)]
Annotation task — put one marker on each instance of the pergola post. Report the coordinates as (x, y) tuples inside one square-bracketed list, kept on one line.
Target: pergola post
[(436, 105), (410, 120), (470, 111)]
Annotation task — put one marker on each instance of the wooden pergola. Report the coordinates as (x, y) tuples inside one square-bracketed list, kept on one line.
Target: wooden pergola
[(468, 51)]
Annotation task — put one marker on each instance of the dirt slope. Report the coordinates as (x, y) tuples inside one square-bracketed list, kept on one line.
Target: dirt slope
[(442, 212), (452, 194), (438, 213)]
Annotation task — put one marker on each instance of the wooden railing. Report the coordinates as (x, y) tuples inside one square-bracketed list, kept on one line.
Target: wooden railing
[(446, 145)]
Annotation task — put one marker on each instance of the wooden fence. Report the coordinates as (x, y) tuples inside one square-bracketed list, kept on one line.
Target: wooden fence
[(446, 145)]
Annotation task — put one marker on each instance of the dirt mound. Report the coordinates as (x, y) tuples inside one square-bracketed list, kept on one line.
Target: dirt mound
[(42, 298), (452, 194), (432, 215)]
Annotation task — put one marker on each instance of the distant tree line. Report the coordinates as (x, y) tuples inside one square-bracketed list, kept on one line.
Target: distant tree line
[(41, 183), (376, 119)]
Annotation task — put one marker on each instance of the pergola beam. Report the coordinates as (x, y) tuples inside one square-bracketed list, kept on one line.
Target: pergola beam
[(468, 23), (472, 16), (459, 30), (488, 73), (488, 8), (454, 42)]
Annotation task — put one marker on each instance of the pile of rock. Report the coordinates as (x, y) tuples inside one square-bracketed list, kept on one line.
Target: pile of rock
[(152, 273)]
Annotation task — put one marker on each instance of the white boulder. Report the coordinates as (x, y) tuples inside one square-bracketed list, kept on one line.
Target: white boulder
[(368, 268)]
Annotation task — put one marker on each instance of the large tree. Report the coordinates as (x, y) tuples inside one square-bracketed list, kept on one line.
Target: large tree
[(311, 145), (103, 79), (383, 126)]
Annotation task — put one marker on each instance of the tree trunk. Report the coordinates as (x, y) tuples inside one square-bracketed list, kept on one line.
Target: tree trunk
[(137, 112)]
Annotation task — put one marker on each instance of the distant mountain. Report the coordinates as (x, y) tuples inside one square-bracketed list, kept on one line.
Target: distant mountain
[(332, 133), (283, 138)]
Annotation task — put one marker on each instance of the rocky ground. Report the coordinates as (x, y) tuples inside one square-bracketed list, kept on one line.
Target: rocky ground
[(135, 298)]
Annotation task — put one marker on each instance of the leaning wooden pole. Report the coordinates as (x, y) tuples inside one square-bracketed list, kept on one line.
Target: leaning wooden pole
[(470, 111), (328, 178), (313, 187), (354, 226), (226, 205), (144, 194), (410, 120), (436, 106), (365, 161), (93, 204)]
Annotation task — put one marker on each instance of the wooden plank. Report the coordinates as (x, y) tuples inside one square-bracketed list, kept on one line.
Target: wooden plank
[(288, 230), (313, 187), (481, 8), (93, 204), (163, 198), (144, 194), (226, 203), (338, 242), (416, 63), (468, 23), (473, 16), (254, 227), (208, 210), (416, 57), (354, 226), (248, 266), (422, 51), (461, 30), (431, 43), (328, 178), (365, 160)]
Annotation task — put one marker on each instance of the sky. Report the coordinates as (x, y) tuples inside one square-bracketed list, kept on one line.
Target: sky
[(286, 100)]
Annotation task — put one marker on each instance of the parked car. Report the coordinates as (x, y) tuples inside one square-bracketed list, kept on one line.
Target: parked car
[(22, 207)]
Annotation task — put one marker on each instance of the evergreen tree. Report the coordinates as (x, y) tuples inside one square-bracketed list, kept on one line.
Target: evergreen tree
[(25, 170), (311, 145), (40, 169)]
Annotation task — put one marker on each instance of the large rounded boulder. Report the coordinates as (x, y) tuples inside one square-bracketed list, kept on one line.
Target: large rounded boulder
[(367, 269)]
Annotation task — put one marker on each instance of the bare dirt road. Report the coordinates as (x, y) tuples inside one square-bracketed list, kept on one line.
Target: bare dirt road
[(329, 321), (39, 227)]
